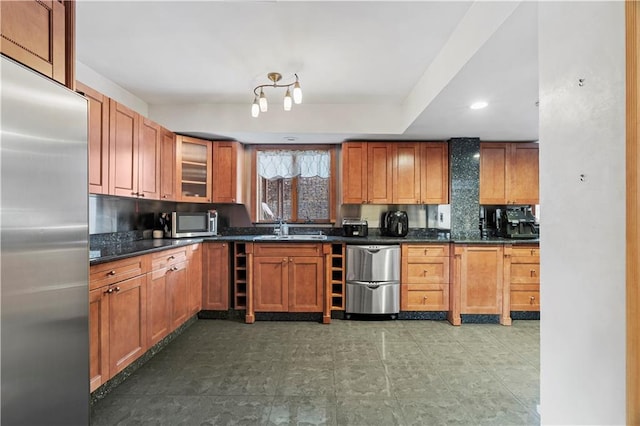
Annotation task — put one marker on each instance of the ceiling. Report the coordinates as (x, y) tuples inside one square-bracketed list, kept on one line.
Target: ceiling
[(368, 69)]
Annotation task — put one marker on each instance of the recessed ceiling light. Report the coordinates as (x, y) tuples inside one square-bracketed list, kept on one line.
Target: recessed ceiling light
[(478, 105)]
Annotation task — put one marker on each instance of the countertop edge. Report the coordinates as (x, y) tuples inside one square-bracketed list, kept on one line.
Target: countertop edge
[(143, 247)]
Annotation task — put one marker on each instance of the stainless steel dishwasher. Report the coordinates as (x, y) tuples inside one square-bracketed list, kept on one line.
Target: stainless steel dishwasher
[(373, 280)]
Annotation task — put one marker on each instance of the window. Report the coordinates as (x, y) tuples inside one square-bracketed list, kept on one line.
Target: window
[(296, 185)]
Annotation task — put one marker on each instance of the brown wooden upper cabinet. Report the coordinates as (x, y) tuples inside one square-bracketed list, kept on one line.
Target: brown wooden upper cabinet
[(129, 155), (149, 156), (40, 34), (134, 154), (509, 173), (395, 173), (168, 166), (226, 171), (193, 171), (98, 139)]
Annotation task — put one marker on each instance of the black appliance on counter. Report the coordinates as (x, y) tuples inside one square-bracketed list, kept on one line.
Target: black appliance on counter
[(518, 222), (355, 227), (394, 223)]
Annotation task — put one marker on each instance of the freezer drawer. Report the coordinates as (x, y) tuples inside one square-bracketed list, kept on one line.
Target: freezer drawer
[(373, 263), (373, 298)]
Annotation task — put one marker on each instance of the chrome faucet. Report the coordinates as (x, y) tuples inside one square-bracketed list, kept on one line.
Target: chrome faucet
[(282, 228)]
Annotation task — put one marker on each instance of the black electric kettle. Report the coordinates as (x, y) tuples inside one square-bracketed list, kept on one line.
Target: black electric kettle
[(395, 223)]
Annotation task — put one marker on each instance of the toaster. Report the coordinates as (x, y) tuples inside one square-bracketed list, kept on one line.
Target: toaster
[(355, 227)]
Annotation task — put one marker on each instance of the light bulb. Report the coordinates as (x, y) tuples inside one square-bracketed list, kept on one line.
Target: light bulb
[(255, 108), (263, 102), (478, 105), (297, 93), (287, 100)]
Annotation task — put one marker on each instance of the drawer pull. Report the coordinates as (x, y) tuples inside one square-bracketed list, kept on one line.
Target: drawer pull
[(532, 299), (533, 272), (171, 257), (111, 273), (425, 272), (533, 252)]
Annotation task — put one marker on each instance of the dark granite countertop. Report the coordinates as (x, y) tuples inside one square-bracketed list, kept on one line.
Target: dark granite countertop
[(108, 252), (114, 251)]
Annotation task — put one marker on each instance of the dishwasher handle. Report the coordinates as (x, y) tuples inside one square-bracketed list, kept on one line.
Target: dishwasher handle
[(373, 284)]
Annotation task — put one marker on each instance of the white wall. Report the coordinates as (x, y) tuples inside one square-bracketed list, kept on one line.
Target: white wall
[(582, 241), (98, 82)]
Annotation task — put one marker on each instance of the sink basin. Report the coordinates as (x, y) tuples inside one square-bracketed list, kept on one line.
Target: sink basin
[(314, 237)]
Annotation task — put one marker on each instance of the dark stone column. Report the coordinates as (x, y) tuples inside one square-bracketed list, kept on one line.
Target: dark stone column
[(464, 156)]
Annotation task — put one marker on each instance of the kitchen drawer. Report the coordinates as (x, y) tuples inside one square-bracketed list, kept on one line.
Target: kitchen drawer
[(419, 251), (417, 297), (429, 271), (525, 273), (525, 300), (168, 258), (525, 254), (116, 271), (287, 249)]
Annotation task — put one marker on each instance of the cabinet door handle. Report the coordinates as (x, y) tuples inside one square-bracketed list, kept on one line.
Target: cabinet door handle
[(175, 268), (111, 273), (285, 260), (134, 193), (164, 196), (531, 299), (533, 272), (109, 291), (117, 289), (171, 257), (140, 194), (425, 272)]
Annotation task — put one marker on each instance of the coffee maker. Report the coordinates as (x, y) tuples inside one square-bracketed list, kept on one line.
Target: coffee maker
[(394, 223), (518, 222)]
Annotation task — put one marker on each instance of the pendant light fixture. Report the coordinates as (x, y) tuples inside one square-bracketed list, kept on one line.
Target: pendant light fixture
[(260, 103)]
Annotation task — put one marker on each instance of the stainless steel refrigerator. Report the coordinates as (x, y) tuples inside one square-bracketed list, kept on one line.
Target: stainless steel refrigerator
[(44, 330)]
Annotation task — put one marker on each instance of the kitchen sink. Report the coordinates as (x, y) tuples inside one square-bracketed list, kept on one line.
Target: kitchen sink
[(302, 237)]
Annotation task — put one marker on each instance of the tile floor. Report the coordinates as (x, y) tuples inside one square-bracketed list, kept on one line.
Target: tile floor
[(347, 373)]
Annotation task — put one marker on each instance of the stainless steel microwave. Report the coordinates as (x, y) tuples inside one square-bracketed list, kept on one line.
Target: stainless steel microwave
[(194, 224)]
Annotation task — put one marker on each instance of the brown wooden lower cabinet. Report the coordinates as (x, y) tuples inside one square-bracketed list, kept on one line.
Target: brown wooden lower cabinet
[(288, 277), (270, 284), (158, 318), (98, 339), (194, 279), (522, 275), (117, 317), (477, 286), (177, 288), (136, 302), (216, 279), (306, 284), (424, 277), (127, 306)]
